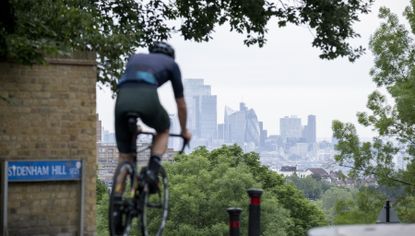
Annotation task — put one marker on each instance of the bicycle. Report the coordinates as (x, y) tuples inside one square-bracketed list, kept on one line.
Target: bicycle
[(138, 199)]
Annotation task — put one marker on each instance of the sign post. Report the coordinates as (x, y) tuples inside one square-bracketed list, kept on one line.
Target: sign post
[(37, 171), (41, 171), (82, 203), (3, 198)]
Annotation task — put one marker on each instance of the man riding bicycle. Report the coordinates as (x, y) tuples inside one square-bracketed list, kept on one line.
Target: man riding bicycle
[(137, 93)]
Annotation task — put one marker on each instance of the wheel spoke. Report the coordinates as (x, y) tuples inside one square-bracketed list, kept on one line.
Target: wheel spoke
[(154, 216), (121, 209)]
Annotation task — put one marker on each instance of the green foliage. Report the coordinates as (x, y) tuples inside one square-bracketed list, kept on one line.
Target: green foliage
[(113, 29), (29, 30), (352, 206), (101, 190), (394, 71), (303, 213), (363, 208), (102, 216), (102, 199), (203, 184), (330, 198), (406, 209), (312, 188)]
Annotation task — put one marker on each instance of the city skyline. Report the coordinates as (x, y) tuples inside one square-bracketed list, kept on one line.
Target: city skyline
[(285, 77), (239, 126)]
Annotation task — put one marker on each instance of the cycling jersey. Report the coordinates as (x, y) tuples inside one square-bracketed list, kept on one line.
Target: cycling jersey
[(153, 69)]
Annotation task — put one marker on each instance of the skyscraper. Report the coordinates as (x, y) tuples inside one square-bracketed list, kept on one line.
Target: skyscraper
[(309, 132), (237, 127), (201, 105), (207, 117), (253, 131), (221, 131), (242, 126), (263, 134), (226, 126), (290, 127)]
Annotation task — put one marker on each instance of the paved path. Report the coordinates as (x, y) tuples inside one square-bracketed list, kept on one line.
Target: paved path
[(365, 230)]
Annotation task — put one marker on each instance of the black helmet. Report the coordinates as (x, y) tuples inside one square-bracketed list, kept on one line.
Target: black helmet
[(161, 47)]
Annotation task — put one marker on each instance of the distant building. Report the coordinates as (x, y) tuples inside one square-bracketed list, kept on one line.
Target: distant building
[(99, 129), (299, 149), (287, 170), (221, 131), (226, 126), (107, 158), (201, 109), (290, 127), (174, 143), (253, 131), (207, 117), (309, 131), (263, 135), (242, 127), (318, 173), (108, 137), (236, 123)]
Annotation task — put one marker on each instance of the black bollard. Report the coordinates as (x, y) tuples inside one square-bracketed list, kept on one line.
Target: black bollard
[(254, 212), (388, 208), (234, 222), (387, 215)]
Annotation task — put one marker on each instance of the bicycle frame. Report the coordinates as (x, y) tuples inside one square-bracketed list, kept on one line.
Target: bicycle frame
[(139, 202)]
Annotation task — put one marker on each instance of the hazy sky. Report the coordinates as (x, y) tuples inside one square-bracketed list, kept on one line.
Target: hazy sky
[(285, 77)]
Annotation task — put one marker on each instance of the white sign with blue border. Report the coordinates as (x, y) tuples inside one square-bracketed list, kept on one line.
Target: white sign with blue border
[(34, 171)]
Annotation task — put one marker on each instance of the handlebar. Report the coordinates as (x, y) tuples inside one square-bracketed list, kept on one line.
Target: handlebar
[(185, 142), (132, 123)]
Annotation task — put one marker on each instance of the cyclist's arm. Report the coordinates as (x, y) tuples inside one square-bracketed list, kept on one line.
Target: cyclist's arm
[(176, 80), (182, 112)]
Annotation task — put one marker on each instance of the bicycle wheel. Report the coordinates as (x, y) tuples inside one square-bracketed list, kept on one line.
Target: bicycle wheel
[(155, 207), (121, 209)]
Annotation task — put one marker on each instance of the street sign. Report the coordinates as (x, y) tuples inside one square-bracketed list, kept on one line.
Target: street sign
[(34, 171)]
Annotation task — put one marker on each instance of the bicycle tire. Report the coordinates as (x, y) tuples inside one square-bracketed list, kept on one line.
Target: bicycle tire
[(120, 214), (154, 212)]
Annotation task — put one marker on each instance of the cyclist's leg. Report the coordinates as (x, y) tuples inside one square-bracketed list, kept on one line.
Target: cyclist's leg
[(116, 223), (157, 118), (158, 149), (122, 133), (160, 121), (160, 143)]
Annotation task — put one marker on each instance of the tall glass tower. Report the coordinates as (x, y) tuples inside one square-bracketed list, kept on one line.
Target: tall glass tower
[(309, 132), (201, 109), (290, 127)]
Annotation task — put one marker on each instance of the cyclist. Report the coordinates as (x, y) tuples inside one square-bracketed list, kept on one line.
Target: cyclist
[(137, 92)]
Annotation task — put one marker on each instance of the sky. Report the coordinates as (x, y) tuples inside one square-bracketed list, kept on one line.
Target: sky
[(285, 77)]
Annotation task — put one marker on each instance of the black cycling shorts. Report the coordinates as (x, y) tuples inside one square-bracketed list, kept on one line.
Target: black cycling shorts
[(143, 100)]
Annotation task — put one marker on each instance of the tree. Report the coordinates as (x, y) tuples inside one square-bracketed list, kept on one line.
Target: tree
[(302, 213), (394, 72), (363, 208), (352, 205), (329, 199), (312, 188), (102, 216), (101, 189), (202, 189), (406, 209), (203, 184), (114, 29)]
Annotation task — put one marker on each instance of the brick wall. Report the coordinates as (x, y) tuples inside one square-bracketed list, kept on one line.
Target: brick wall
[(48, 112)]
